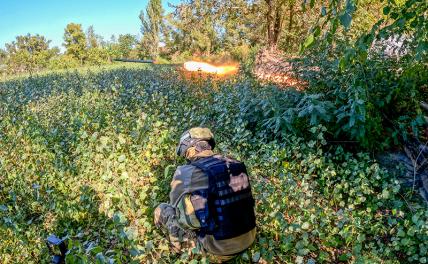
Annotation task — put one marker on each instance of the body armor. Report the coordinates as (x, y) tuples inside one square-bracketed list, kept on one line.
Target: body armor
[(226, 209)]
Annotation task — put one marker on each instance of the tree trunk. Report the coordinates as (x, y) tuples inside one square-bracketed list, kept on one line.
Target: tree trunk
[(269, 23), (290, 26), (277, 25), (274, 21)]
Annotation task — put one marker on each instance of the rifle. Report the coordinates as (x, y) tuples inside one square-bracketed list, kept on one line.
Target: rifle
[(137, 61)]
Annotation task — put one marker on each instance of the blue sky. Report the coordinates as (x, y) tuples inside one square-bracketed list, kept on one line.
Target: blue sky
[(49, 17)]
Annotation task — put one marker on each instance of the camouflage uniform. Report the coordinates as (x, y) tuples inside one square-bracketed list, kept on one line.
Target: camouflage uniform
[(179, 238), (179, 220)]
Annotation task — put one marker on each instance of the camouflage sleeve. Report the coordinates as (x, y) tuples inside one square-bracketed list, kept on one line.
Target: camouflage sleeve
[(180, 183), (186, 179), (185, 213)]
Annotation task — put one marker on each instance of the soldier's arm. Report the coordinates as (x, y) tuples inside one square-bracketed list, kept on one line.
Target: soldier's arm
[(180, 183), (182, 186)]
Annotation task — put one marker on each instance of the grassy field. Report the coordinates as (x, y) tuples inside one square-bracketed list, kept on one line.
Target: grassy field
[(88, 154)]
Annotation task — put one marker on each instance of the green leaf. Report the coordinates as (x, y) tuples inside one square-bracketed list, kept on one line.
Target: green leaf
[(100, 258), (386, 10), (323, 11), (131, 233), (317, 31), (256, 257), (167, 170), (119, 218), (305, 226), (346, 20), (342, 65), (121, 158), (309, 41), (344, 257), (323, 256)]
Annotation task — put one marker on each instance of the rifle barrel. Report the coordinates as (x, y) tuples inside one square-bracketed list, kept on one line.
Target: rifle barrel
[(137, 61)]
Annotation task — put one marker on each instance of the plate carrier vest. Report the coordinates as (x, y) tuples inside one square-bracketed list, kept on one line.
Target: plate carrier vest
[(226, 209)]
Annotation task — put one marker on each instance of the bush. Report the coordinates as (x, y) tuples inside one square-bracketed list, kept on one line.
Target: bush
[(97, 56), (376, 79), (63, 62)]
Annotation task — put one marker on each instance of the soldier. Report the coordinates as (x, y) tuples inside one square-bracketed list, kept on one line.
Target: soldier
[(211, 206)]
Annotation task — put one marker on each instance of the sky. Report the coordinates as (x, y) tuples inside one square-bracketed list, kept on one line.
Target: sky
[(50, 17)]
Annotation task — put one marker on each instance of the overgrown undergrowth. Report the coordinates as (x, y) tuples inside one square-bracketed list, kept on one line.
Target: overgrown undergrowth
[(88, 157)]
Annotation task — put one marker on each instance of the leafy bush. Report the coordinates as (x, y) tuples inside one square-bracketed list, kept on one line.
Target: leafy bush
[(88, 156), (97, 56), (63, 62), (376, 79)]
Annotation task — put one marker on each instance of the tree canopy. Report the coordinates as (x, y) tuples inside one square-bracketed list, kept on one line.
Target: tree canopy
[(151, 21), (28, 53), (75, 41)]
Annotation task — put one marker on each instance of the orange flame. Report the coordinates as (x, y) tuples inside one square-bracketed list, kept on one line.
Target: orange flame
[(195, 66)]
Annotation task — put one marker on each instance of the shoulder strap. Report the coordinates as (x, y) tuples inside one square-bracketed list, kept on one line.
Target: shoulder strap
[(205, 165), (207, 162)]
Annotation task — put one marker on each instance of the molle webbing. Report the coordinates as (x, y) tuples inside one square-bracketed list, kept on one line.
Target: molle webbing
[(230, 202)]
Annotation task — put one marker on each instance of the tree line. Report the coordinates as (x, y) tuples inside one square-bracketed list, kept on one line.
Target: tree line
[(32, 53), (194, 28)]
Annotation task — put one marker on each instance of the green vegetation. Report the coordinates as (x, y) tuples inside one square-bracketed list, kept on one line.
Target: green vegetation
[(89, 155)]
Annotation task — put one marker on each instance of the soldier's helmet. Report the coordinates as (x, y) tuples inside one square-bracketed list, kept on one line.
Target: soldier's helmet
[(192, 136)]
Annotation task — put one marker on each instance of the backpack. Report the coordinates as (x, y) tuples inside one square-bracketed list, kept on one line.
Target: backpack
[(226, 209)]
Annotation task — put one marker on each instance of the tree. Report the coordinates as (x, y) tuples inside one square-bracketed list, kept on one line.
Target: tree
[(151, 28), (29, 53), (193, 27), (93, 40), (3, 56), (275, 19), (208, 26), (75, 41), (203, 27), (126, 43)]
